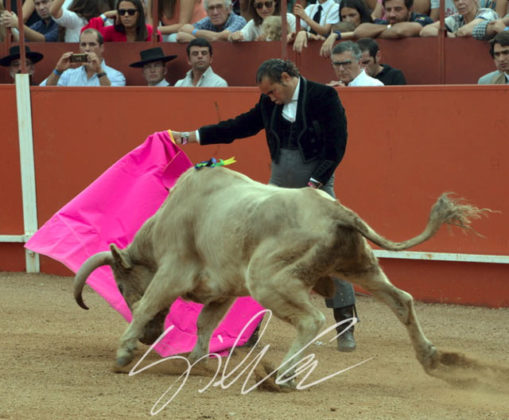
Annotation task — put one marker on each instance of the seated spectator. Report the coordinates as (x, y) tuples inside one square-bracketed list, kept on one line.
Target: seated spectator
[(499, 50), (14, 63), (74, 18), (92, 72), (199, 57), (488, 29), (400, 22), (153, 62), (371, 62), (28, 8), (316, 19), (129, 23), (350, 11), (261, 9), (500, 6), (3, 32), (173, 14), (462, 23), (217, 26), (319, 17), (345, 60), (44, 30), (271, 28)]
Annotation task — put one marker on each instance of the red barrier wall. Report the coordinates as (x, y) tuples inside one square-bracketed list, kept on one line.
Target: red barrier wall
[(406, 146), (465, 60)]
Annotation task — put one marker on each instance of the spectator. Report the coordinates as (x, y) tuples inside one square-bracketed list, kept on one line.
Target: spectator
[(76, 16), (400, 22), (199, 57), (319, 17), (3, 32), (173, 14), (500, 6), (14, 63), (217, 26), (261, 9), (488, 29), (129, 24), (316, 21), (345, 60), (28, 8), (153, 62), (371, 61), (93, 72), (499, 50), (350, 11), (44, 30), (462, 23)]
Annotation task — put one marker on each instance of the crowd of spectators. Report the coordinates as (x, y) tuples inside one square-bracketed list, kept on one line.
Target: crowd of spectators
[(324, 21)]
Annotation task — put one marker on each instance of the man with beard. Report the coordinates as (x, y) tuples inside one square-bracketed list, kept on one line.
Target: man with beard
[(400, 22), (199, 57), (44, 30)]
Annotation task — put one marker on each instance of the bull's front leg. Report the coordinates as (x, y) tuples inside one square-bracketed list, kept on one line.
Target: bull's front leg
[(208, 320)]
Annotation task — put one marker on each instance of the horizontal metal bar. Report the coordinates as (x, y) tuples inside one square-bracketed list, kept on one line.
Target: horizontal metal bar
[(443, 256), (14, 238)]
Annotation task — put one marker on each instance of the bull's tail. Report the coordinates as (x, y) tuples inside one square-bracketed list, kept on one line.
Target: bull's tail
[(445, 211)]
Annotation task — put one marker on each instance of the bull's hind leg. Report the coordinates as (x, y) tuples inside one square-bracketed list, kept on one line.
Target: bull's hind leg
[(208, 320), (402, 304)]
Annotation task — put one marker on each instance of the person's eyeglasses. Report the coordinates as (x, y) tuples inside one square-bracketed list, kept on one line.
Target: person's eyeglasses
[(267, 4), (342, 63), (130, 12)]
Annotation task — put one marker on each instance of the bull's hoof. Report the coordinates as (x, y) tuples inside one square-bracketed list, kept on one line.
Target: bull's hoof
[(124, 358)]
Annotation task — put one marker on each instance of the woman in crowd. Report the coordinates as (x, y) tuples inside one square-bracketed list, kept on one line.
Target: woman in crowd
[(129, 25), (77, 15), (261, 9), (173, 14), (352, 12), (462, 23)]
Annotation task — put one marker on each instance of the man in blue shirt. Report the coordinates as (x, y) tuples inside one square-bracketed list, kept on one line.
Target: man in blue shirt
[(217, 26), (93, 71), (43, 30)]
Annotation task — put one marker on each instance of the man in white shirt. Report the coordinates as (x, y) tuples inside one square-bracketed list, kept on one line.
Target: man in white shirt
[(92, 71), (153, 62), (315, 20), (199, 57), (345, 59)]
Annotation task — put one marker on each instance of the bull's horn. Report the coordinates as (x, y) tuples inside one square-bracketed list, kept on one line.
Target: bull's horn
[(95, 261)]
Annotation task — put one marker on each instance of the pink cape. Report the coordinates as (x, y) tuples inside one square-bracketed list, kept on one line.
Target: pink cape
[(111, 210)]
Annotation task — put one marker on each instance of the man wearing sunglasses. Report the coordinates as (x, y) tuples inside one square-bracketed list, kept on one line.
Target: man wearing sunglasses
[(305, 125), (217, 26), (345, 59), (87, 68)]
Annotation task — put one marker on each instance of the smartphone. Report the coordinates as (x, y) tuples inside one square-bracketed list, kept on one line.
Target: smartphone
[(79, 58)]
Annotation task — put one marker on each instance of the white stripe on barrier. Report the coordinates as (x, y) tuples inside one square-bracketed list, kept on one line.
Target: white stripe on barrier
[(443, 256)]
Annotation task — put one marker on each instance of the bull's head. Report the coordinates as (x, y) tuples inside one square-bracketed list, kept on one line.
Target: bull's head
[(132, 279)]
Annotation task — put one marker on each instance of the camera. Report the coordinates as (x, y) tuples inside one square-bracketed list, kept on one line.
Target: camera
[(79, 58)]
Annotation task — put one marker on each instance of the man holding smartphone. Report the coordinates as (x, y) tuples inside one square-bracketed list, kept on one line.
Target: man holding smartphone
[(91, 69)]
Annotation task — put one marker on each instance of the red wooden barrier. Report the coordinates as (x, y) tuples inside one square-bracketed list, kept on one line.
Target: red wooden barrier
[(406, 146)]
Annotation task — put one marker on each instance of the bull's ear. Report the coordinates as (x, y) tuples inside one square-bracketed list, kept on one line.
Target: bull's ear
[(120, 257)]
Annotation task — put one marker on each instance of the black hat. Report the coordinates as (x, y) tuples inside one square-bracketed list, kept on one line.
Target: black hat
[(151, 55), (14, 55)]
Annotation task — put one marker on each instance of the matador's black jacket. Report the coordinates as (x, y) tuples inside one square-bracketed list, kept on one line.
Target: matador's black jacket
[(320, 127)]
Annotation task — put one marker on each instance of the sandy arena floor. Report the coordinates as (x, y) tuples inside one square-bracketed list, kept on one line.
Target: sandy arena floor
[(57, 364)]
